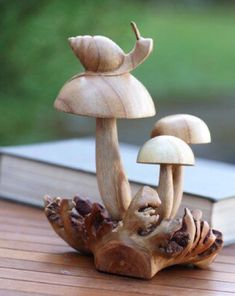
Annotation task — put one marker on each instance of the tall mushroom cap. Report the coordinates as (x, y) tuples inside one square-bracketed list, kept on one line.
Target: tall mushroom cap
[(121, 96), (166, 150), (106, 89), (189, 128)]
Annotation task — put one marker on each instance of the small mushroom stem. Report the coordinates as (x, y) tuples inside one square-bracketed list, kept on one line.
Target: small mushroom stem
[(178, 174), (165, 190), (112, 181)]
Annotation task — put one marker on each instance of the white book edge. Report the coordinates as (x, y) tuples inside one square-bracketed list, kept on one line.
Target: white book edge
[(209, 179)]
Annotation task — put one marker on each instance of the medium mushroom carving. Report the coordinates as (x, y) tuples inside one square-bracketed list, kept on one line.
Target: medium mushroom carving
[(136, 236), (191, 130)]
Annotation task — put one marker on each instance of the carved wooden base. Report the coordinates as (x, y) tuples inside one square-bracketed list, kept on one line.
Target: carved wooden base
[(141, 243)]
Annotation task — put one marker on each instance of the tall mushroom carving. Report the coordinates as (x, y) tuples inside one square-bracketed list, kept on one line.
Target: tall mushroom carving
[(107, 91), (191, 130), (140, 236)]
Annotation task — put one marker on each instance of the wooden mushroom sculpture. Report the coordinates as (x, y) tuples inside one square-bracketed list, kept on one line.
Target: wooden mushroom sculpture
[(168, 151), (106, 91), (142, 243), (191, 130), (134, 237)]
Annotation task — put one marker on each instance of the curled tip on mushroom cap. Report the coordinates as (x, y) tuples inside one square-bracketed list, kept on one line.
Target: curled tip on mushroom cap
[(136, 30)]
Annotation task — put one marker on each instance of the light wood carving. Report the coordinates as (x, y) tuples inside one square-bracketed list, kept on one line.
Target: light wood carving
[(99, 54), (169, 152), (139, 245), (190, 129), (136, 236), (107, 91)]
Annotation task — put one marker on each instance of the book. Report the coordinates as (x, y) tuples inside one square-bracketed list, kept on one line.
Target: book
[(67, 168)]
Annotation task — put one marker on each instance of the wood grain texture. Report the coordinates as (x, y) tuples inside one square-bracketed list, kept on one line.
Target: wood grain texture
[(165, 190), (106, 89), (189, 128), (178, 181), (171, 153), (56, 270), (112, 181), (166, 150), (102, 96), (100, 55), (142, 243)]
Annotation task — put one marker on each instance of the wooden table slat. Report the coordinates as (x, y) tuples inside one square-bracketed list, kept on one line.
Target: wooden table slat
[(34, 261)]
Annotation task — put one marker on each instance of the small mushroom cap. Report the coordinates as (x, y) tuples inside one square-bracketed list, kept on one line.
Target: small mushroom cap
[(189, 128), (166, 150), (121, 96)]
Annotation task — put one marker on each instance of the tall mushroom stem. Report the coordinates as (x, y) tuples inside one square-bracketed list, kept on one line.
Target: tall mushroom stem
[(165, 190), (178, 174), (112, 181)]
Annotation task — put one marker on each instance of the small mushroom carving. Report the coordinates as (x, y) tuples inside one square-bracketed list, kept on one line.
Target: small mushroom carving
[(169, 152), (136, 236)]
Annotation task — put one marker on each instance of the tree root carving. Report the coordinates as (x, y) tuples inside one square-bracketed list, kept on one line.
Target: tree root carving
[(138, 245)]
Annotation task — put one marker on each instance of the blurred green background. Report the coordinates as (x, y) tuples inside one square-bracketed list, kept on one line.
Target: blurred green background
[(193, 58)]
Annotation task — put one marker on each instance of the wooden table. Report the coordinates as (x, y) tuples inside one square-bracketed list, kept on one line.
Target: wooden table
[(34, 261)]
